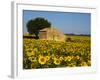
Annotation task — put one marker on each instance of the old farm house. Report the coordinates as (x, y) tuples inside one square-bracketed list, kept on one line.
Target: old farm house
[(51, 34)]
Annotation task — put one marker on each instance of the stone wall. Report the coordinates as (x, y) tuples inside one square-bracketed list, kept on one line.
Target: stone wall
[(51, 34)]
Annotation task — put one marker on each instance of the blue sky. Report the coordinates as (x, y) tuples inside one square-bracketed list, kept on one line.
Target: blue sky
[(66, 22)]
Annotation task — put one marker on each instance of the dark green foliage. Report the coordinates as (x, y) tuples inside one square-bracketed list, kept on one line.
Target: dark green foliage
[(68, 39), (34, 25)]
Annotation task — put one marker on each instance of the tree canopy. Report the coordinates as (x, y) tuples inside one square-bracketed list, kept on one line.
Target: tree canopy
[(34, 25)]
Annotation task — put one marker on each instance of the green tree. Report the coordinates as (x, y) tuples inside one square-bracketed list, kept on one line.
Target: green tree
[(34, 25)]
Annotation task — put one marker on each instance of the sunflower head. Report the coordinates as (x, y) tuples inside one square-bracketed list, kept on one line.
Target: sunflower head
[(42, 60), (83, 64), (77, 57), (68, 58), (47, 58), (32, 59), (56, 61)]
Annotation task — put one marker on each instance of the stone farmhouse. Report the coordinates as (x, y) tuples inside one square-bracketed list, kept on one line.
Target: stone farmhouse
[(51, 34)]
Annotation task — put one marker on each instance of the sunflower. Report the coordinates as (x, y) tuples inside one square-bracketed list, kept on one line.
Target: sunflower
[(47, 58), (56, 61), (30, 53), (77, 57), (32, 59), (42, 60), (83, 64), (68, 58)]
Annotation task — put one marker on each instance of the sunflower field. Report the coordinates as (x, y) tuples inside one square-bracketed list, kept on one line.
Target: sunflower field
[(75, 52)]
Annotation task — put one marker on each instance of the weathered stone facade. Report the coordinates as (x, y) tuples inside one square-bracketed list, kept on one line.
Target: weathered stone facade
[(51, 34)]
